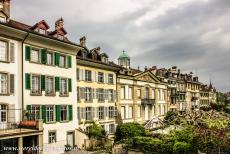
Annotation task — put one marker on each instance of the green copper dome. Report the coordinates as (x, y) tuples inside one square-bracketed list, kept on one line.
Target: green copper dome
[(123, 55)]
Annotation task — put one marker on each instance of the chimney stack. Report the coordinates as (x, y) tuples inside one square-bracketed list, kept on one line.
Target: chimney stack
[(6, 7), (59, 23), (83, 41)]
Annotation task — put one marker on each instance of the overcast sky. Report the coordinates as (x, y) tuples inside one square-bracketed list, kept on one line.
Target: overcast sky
[(191, 34)]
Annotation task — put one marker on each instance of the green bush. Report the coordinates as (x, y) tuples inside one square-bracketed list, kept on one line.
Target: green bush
[(181, 148), (129, 130)]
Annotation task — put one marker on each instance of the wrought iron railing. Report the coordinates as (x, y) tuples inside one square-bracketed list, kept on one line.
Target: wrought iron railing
[(147, 101)]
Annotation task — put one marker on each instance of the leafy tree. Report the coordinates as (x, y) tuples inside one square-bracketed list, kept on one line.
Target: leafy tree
[(96, 131), (128, 131), (170, 117), (181, 148)]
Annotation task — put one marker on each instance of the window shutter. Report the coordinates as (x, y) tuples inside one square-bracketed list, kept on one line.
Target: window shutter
[(69, 62), (97, 112), (12, 83), (96, 76), (27, 54), (44, 113), (27, 81), (43, 82), (114, 79), (93, 93), (57, 83), (80, 74), (83, 93), (44, 56), (106, 93), (93, 113), (105, 77), (28, 108), (83, 75), (12, 52), (83, 113), (70, 84), (78, 114), (114, 95), (58, 113), (106, 111), (97, 93), (57, 58)]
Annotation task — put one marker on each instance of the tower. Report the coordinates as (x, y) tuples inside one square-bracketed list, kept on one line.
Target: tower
[(124, 60)]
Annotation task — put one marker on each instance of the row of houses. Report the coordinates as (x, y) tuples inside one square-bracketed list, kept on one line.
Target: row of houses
[(50, 87)]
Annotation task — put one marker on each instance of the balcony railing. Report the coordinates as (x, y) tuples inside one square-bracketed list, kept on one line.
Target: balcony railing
[(147, 101)]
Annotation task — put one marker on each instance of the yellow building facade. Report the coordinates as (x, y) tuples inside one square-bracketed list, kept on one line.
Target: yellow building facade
[(96, 88)]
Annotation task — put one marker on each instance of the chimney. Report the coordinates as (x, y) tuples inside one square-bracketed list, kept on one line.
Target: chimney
[(178, 71), (154, 67), (6, 7), (83, 41), (59, 23), (146, 68)]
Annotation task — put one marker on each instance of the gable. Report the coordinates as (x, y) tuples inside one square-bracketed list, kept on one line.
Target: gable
[(147, 77)]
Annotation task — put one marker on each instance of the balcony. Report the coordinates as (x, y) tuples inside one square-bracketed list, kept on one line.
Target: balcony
[(24, 127), (147, 101), (194, 99)]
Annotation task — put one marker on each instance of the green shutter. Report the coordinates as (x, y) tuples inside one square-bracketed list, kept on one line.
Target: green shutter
[(27, 81), (69, 62), (57, 83), (43, 56), (28, 109), (58, 113), (27, 54), (57, 59), (43, 78), (44, 113), (70, 85), (70, 111)]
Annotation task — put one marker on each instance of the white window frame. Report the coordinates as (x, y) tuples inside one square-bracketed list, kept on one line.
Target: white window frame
[(3, 113), (36, 112), (4, 57), (49, 88), (110, 78), (33, 54), (63, 87), (88, 75), (52, 137), (64, 108), (101, 113), (88, 113), (4, 83), (101, 77), (50, 58), (50, 113), (35, 84), (62, 61)]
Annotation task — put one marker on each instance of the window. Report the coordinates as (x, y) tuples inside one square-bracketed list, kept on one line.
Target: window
[(122, 92), (88, 94), (104, 59), (111, 128), (139, 93), (146, 93), (62, 61), (60, 37), (110, 80), (49, 58), (3, 113), (111, 112), (2, 19), (78, 74), (63, 87), (123, 116), (88, 115), (88, 75), (49, 85), (52, 136), (100, 77), (101, 113), (50, 113), (130, 112), (35, 112), (130, 93), (84, 54), (101, 97), (36, 84), (78, 96), (3, 51), (110, 95), (63, 112), (41, 31), (139, 111), (153, 93), (3, 83), (159, 94), (35, 55)]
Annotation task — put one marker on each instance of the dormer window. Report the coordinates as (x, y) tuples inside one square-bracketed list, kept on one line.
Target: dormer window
[(84, 54), (104, 59), (42, 31), (2, 19), (60, 37)]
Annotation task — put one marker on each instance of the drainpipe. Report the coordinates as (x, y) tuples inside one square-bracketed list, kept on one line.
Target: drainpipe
[(22, 75)]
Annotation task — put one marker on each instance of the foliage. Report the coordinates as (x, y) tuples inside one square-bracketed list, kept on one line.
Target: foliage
[(181, 148), (170, 117), (96, 131), (128, 131)]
